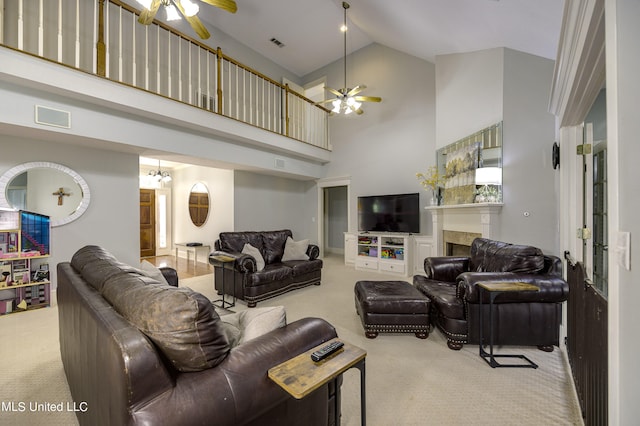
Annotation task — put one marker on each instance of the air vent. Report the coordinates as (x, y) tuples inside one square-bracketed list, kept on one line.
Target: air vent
[(276, 42), (279, 164), (53, 117)]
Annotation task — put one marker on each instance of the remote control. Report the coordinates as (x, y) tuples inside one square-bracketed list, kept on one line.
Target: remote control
[(325, 351)]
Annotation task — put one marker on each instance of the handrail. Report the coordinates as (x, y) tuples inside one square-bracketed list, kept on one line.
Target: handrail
[(160, 60), (569, 258), (574, 263)]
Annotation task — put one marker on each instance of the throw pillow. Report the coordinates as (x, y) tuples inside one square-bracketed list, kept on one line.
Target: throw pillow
[(231, 328), (295, 250), (256, 322), (181, 322), (255, 253), (240, 327), (150, 270)]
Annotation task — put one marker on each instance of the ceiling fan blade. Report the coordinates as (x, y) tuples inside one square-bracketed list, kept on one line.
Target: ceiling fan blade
[(147, 16), (367, 98), (356, 89), (194, 21), (334, 91), (326, 101), (198, 27), (228, 5)]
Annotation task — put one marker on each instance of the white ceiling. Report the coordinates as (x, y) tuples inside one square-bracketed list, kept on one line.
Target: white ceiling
[(310, 32)]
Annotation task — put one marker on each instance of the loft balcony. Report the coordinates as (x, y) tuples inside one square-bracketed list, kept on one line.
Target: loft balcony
[(155, 68)]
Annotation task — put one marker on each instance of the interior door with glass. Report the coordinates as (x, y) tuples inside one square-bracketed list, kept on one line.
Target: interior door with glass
[(587, 274)]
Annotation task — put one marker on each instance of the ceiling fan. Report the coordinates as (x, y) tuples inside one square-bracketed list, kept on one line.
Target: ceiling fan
[(187, 8), (346, 100)]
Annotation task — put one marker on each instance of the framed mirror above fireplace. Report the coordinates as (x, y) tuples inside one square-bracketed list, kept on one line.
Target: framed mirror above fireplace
[(472, 167)]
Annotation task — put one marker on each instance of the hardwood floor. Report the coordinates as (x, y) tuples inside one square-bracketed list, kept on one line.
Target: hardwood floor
[(185, 269)]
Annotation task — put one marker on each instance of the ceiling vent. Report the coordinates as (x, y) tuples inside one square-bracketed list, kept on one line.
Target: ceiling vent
[(52, 117), (276, 42)]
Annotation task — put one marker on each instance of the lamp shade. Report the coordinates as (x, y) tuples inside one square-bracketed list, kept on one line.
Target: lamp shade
[(489, 176)]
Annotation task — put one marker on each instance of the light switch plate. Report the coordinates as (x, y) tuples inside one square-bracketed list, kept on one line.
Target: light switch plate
[(623, 249)]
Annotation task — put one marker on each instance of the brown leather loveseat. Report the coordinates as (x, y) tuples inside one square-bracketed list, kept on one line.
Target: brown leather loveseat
[(522, 318), (137, 352), (251, 283)]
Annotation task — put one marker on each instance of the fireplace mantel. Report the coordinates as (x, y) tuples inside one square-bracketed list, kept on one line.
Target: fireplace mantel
[(481, 218)]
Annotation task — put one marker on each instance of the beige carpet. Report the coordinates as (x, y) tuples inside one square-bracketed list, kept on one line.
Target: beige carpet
[(409, 381)]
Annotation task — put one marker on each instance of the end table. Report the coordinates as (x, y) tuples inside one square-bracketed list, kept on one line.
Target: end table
[(494, 289), (300, 376)]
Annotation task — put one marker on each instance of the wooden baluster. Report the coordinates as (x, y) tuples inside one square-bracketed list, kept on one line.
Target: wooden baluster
[(219, 79), (101, 47)]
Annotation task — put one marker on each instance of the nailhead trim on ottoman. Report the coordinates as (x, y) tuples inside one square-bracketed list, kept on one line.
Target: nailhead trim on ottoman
[(392, 307)]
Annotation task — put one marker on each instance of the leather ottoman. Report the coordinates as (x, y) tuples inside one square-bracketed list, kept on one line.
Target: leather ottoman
[(392, 307)]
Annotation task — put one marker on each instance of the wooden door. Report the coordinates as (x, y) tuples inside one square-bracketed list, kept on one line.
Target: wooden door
[(147, 223)]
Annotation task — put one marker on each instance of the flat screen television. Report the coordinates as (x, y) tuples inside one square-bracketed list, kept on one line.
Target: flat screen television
[(389, 213)]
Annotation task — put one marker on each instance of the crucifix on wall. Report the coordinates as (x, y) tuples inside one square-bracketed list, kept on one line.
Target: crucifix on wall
[(61, 194)]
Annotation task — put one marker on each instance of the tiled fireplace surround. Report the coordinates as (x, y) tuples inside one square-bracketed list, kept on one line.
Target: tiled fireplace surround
[(455, 227)]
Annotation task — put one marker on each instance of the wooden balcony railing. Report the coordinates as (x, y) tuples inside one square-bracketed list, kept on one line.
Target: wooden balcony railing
[(103, 37)]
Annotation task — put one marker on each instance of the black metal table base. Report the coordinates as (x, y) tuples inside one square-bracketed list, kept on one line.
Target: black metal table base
[(490, 357), (363, 394), (222, 302)]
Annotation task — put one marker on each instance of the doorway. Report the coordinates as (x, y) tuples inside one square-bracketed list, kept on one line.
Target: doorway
[(334, 214), (155, 222), (147, 222), (335, 219), (587, 273)]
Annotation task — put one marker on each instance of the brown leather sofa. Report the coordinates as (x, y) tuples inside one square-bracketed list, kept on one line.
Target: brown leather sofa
[(521, 318), (246, 282), (136, 352)]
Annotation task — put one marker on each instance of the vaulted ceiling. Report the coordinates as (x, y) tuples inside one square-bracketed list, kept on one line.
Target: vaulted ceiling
[(309, 29)]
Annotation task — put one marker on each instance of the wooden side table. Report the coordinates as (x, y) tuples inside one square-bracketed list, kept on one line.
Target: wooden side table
[(191, 249), (494, 289), (300, 376)]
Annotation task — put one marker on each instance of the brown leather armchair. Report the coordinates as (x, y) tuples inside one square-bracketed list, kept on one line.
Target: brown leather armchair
[(520, 318)]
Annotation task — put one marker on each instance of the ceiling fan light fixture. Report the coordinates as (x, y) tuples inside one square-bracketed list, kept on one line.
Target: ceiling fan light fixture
[(190, 8), (336, 106), (346, 100), (172, 13), (145, 3)]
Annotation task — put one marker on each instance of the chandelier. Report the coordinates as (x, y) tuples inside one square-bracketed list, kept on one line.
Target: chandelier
[(159, 175)]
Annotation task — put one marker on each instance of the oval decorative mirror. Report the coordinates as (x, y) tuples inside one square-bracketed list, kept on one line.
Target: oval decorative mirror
[(199, 204), (46, 188)]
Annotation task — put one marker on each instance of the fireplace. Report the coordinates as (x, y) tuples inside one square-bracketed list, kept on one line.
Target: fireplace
[(458, 243), (456, 226)]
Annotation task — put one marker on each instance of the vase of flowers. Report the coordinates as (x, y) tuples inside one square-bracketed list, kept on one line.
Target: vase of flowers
[(432, 181)]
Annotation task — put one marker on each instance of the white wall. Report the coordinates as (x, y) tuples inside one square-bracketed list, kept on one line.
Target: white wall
[(112, 219), (469, 88), (623, 128), (478, 89), (530, 182), (269, 203), (220, 184), (383, 149)]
